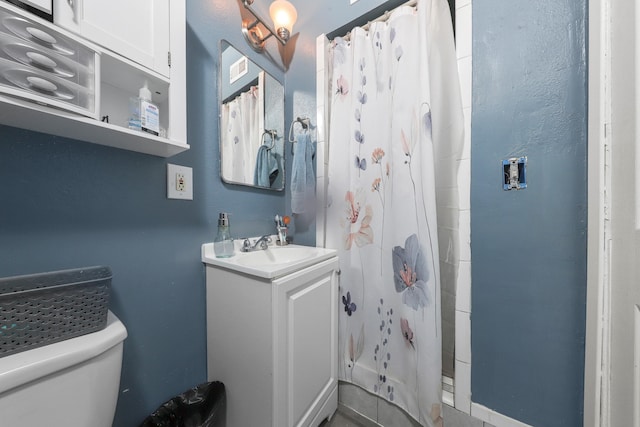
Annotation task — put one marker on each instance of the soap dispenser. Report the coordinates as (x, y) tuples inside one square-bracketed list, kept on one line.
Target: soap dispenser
[(223, 243)]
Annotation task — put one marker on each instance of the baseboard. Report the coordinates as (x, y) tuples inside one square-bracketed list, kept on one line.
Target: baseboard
[(357, 416), (492, 417), (329, 407)]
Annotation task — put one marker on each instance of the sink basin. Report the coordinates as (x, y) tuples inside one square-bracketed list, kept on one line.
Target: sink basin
[(276, 261), (277, 256)]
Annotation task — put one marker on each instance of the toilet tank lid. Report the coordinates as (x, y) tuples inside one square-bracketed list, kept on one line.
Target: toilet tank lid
[(20, 368)]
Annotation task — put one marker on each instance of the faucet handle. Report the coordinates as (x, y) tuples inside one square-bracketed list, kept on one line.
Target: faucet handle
[(264, 242), (246, 244)]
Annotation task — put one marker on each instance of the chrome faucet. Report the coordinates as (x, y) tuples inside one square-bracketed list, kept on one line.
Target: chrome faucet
[(262, 243)]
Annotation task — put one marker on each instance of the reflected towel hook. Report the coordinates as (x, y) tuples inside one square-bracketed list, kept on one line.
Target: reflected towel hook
[(305, 122), (273, 134)]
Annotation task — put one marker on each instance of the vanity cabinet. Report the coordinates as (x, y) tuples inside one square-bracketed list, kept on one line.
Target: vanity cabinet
[(136, 29), (130, 53), (273, 343)]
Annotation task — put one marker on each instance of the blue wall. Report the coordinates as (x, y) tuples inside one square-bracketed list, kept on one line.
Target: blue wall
[(529, 246), (70, 204)]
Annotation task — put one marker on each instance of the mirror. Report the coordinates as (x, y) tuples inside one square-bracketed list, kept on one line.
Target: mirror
[(251, 123)]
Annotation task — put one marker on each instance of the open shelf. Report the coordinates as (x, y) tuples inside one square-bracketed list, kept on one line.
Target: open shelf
[(40, 118)]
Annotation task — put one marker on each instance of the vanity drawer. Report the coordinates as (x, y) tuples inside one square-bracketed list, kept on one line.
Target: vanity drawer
[(41, 59), (40, 64), (38, 86)]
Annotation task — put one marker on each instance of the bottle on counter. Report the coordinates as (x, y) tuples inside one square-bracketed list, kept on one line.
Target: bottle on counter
[(223, 243)]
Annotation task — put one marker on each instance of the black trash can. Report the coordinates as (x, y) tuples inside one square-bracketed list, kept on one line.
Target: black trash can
[(201, 406)]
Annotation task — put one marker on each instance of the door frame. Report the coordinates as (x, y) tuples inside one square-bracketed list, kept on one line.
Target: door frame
[(597, 339)]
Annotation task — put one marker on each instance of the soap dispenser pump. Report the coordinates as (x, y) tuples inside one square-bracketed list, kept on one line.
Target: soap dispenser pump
[(223, 243)]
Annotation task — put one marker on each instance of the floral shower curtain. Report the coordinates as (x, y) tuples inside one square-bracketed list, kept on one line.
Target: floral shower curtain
[(389, 123)]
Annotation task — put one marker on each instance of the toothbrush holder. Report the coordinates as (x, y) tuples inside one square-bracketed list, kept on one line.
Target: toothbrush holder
[(282, 236)]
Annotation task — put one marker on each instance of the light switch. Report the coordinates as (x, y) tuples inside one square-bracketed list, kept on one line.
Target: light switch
[(514, 173)]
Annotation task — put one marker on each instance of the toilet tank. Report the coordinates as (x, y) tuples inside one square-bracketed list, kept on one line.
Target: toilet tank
[(72, 383)]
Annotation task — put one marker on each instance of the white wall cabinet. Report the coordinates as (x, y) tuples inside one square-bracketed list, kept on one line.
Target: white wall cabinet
[(120, 72), (136, 29), (43, 5), (274, 344)]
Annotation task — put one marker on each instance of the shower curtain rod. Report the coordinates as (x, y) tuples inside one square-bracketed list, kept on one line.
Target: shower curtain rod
[(382, 18)]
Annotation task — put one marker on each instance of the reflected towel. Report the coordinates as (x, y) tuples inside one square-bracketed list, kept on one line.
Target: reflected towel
[(303, 181), (266, 168)]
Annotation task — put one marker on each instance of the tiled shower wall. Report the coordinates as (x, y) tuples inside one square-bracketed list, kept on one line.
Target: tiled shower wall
[(462, 359), (455, 267)]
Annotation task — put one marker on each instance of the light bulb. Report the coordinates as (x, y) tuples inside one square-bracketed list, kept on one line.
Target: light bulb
[(284, 15)]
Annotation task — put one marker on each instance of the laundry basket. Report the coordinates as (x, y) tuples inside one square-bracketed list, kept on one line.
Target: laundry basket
[(41, 309)]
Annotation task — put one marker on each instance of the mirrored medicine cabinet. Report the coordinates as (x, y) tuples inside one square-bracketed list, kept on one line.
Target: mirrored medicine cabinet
[(251, 122)]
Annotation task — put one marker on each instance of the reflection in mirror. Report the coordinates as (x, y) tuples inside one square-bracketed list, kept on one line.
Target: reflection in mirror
[(251, 123)]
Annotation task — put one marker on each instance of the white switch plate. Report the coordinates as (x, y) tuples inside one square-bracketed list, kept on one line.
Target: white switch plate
[(179, 182)]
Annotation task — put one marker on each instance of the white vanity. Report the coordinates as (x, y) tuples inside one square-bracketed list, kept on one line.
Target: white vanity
[(272, 334)]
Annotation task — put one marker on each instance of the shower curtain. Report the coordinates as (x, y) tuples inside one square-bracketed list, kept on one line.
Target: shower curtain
[(242, 123), (395, 128)]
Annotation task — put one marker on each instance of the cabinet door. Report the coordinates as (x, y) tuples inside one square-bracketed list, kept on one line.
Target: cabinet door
[(137, 30), (306, 345), (43, 5)]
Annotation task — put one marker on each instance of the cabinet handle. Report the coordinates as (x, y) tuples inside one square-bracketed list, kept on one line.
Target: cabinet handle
[(73, 4)]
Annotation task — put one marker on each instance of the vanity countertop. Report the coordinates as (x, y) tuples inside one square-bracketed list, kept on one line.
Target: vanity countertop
[(276, 261)]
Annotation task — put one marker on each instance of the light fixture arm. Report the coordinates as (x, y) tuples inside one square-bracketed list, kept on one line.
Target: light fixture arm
[(254, 35)]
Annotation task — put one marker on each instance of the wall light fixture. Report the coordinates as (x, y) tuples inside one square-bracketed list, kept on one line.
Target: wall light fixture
[(282, 13)]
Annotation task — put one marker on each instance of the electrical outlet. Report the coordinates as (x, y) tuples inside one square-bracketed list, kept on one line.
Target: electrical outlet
[(179, 182)]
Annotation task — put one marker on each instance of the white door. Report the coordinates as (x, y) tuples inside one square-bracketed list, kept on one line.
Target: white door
[(624, 398), (137, 30)]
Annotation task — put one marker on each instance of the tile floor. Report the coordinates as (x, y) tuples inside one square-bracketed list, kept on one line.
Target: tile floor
[(374, 411), (452, 418), (341, 419)]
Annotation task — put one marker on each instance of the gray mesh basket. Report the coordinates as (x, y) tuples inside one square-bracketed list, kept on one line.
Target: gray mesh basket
[(41, 309)]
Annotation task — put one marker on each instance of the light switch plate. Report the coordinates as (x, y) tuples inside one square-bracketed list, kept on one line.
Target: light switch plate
[(179, 182), (514, 173)]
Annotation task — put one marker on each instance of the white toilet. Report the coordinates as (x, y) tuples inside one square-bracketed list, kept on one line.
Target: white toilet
[(73, 383)]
